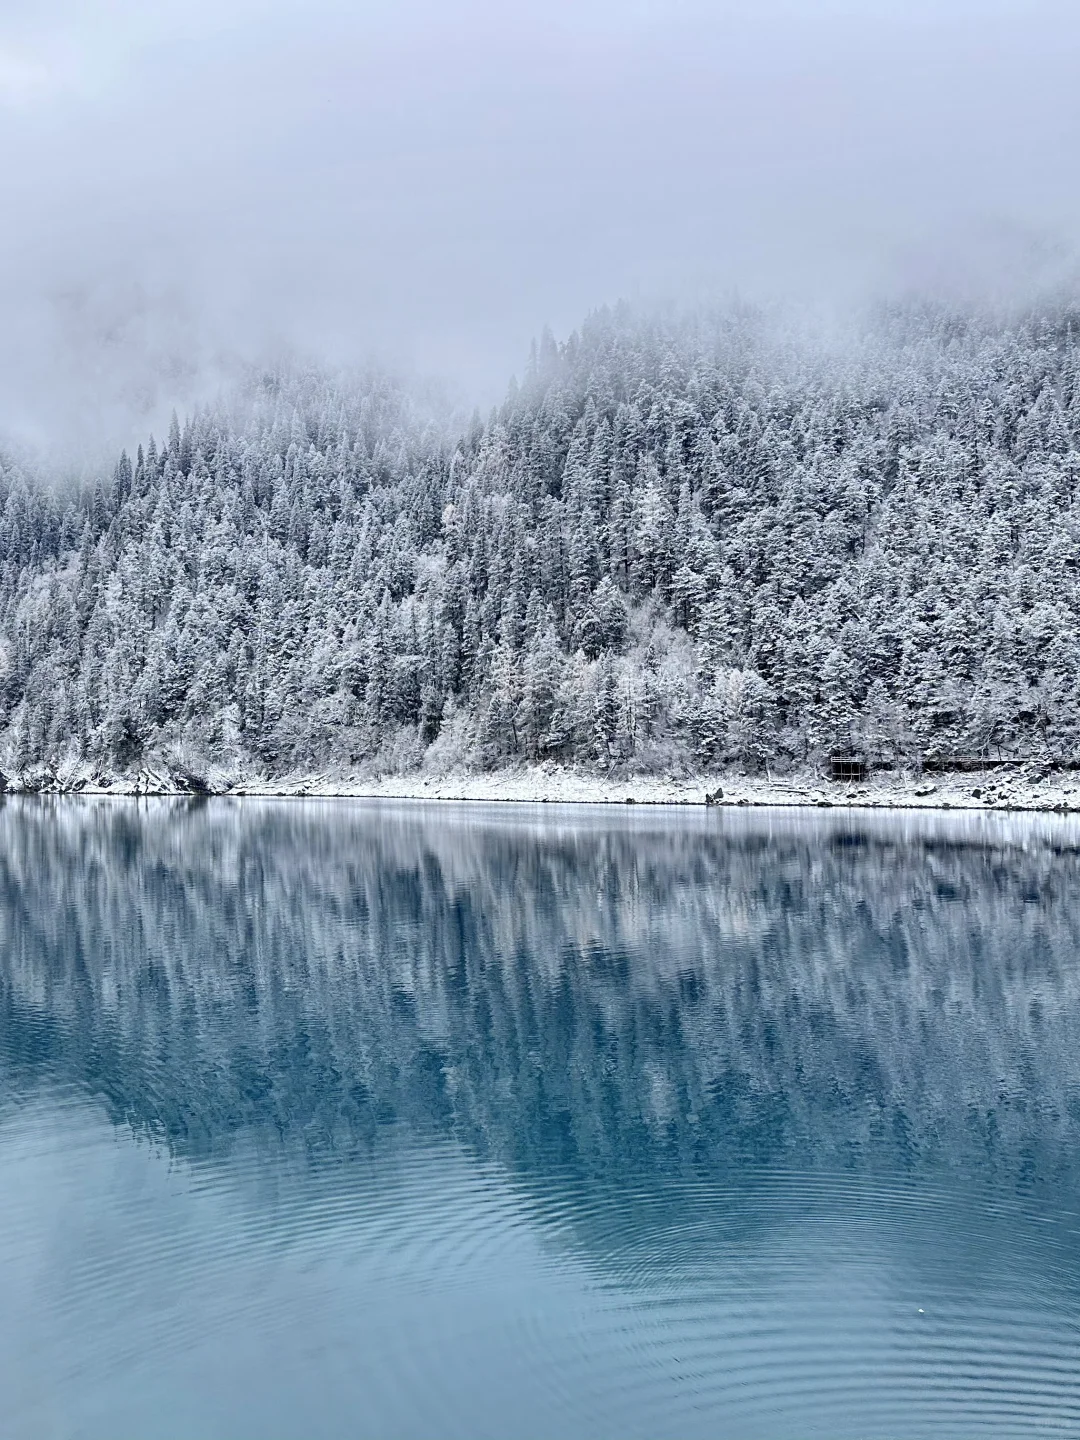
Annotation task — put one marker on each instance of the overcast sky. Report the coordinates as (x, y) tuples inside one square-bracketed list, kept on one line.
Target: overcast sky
[(431, 183)]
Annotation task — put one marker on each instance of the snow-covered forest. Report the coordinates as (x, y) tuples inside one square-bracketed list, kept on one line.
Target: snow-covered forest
[(679, 543)]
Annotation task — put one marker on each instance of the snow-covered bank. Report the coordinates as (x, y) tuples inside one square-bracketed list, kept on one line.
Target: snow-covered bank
[(1019, 788)]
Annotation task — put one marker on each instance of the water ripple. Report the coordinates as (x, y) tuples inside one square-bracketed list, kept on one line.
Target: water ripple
[(332, 1122)]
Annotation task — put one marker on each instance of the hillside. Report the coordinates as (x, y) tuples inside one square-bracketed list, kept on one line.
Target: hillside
[(680, 542)]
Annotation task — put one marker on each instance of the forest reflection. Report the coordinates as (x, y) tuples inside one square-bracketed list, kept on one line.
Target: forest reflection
[(571, 994)]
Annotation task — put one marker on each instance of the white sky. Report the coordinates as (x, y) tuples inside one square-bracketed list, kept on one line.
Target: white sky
[(433, 182)]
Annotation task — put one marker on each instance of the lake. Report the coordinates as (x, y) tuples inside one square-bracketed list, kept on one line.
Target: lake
[(350, 1119)]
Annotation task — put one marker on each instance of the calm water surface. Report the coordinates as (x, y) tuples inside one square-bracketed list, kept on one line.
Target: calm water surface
[(344, 1119)]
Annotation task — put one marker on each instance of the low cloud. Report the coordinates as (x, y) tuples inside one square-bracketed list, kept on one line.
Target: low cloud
[(189, 186)]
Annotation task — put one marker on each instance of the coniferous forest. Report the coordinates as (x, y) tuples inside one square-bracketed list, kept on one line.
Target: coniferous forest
[(680, 543)]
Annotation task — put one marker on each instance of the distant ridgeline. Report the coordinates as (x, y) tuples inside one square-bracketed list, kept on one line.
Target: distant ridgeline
[(679, 541)]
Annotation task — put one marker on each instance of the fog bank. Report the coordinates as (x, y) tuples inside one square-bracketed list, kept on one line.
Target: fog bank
[(204, 184)]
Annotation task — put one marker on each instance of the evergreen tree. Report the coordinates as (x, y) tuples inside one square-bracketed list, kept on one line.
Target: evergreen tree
[(681, 540)]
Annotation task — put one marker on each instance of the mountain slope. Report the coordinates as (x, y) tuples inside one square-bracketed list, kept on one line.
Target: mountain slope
[(679, 541)]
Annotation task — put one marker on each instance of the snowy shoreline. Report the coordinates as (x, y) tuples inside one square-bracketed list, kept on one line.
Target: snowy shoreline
[(1022, 789)]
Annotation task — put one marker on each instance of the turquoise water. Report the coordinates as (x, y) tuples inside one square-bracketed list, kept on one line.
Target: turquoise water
[(344, 1119)]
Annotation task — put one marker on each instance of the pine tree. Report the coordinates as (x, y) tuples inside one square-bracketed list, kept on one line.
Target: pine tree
[(678, 538)]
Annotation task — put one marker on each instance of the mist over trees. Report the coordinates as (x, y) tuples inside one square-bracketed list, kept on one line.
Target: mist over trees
[(681, 542)]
